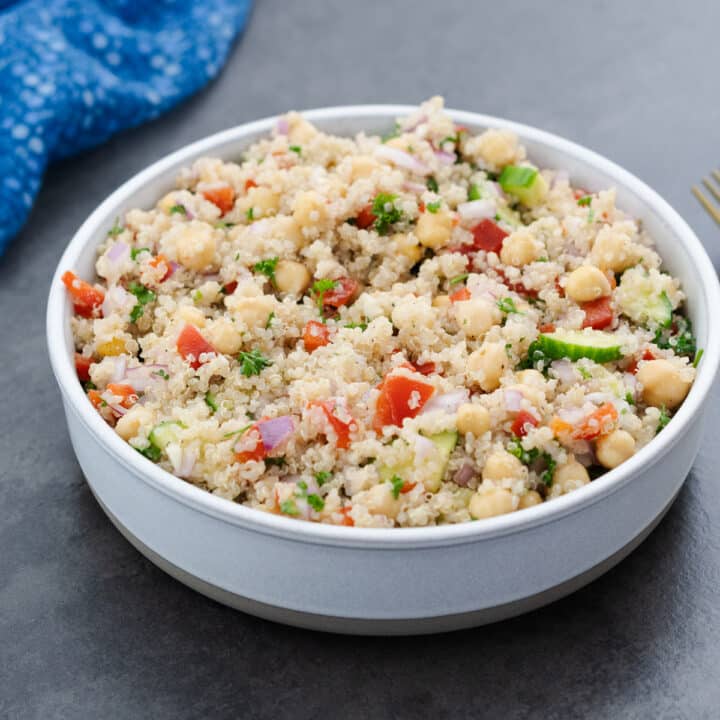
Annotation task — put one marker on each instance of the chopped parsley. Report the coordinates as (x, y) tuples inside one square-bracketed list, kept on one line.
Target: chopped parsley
[(162, 374), (267, 268), (629, 399), (458, 279), (296, 149), (698, 355), (668, 306), (116, 229), (288, 507), (432, 184), (179, 209), (584, 372), (315, 502), (474, 192), (319, 288), (664, 419), (151, 452), (507, 305), (269, 320), (397, 483), (241, 431), (253, 362), (134, 252), (385, 212), (681, 340), (433, 207), (591, 216), (197, 296), (88, 385), (322, 476), (144, 296), (211, 402), (536, 359), (250, 214), (528, 457), (585, 200), (277, 461), (352, 325), (222, 224)]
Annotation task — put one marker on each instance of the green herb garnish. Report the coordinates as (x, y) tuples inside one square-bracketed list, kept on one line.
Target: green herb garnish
[(180, 209), (269, 320), (315, 502), (432, 184), (319, 288), (433, 207), (116, 229), (352, 325), (681, 341), (241, 431), (507, 305), (585, 200), (698, 355), (151, 452), (277, 461), (296, 149), (144, 296), (591, 216), (288, 507), (664, 419), (267, 268), (162, 374), (134, 252), (527, 457), (397, 483), (88, 385), (211, 402), (250, 213), (253, 362), (458, 279), (629, 399), (474, 192), (584, 372), (668, 306), (385, 212), (322, 476)]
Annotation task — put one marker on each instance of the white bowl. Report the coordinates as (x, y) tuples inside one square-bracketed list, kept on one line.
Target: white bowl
[(402, 580)]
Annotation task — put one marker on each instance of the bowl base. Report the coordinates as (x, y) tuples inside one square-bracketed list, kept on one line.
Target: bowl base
[(384, 626)]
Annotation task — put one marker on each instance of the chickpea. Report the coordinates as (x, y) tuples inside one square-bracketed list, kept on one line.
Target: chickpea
[(195, 246), (570, 476), (614, 448), (497, 501), (379, 499), (520, 248), (587, 283), (190, 314), (501, 465), (476, 316), (292, 277), (473, 419), (613, 250), (662, 383), (224, 336), (489, 362), (441, 301), (497, 147), (253, 311), (362, 166), (533, 378), (129, 424), (530, 499), (310, 210), (433, 230), (408, 246), (263, 201), (300, 130)]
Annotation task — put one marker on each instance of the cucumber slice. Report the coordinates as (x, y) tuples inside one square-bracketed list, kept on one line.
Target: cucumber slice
[(164, 433), (525, 183), (575, 344)]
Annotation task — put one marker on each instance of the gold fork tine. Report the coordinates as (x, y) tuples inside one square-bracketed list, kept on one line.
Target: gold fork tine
[(711, 209), (716, 175), (715, 192)]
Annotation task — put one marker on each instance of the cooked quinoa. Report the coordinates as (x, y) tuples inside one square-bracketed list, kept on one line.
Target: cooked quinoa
[(412, 330)]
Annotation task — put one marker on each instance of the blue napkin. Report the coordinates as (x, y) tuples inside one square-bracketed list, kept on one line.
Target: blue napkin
[(74, 72)]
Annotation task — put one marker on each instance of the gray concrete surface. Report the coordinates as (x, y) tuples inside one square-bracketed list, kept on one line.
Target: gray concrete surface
[(90, 629)]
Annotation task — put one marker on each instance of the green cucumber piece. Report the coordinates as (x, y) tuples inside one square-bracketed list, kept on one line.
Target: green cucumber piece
[(575, 344), (525, 183), (164, 433)]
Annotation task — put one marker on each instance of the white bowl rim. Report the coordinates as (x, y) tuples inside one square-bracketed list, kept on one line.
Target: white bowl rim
[(380, 538)]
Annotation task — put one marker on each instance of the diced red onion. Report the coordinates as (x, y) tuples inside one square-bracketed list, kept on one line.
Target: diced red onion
[(424, 448), (447, 402), (477, 209), (564, 371), (119, 370), (282, 127), (402, 159), (119, 409), (414, 187), (187, 463), (118, 252), (496, 189), (445, 158), (464, 475), (276, 431), (513, 400), (144, 375), (172, 267)]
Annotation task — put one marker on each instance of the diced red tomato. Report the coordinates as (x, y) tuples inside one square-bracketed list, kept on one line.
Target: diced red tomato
[(125, 392), (342, 429), (579, 192), (522, 420), (427, 368), (229, 288), (222, 197), (400, 397), (547, 328), (256, 451), (597, 423), (487, 236), (347, 518), (407, 486), (518, 287), (460, 295), (315, 335), (86, 299), (343, 292), (191, 344), (598, 313), (250, 184), (421, 206), (560, 289), (82, 367), (161, 259), (365, 218), (633, 366)]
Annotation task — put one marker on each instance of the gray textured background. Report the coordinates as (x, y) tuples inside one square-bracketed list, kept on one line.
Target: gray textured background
[(90, 629)]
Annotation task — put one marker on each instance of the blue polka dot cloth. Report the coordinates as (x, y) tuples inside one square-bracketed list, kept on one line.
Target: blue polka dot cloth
[(74, 72)]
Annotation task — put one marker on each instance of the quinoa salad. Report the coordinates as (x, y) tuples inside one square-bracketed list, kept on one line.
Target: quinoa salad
[(416, 329)]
